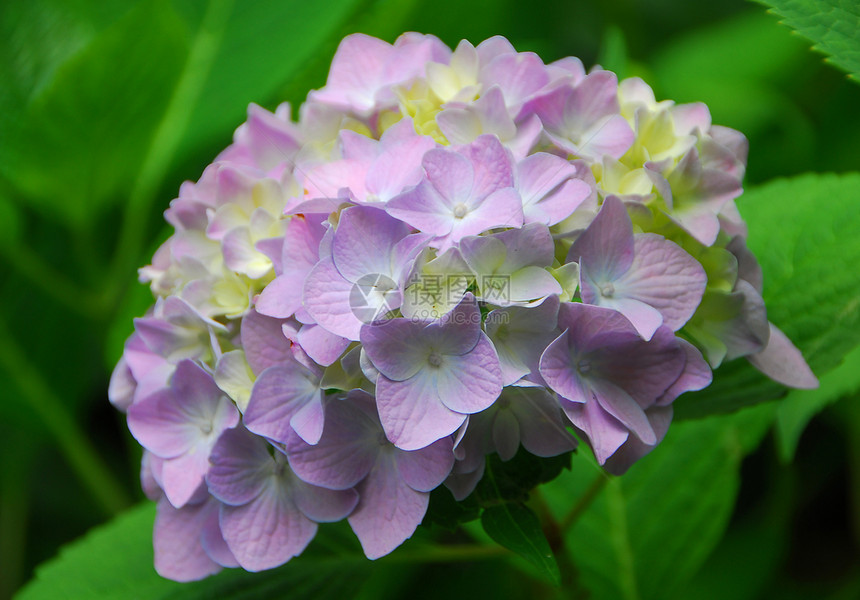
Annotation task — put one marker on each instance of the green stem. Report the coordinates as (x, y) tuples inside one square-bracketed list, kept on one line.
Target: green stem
[(454, 553), (554, 533), (74, 444), (165, 142), (585, 501), (54, 283), (14, 511)]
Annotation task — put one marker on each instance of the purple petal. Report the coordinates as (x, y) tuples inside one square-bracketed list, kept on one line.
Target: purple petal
[(633, 449), (606, 248), (179, 553), (696, 375), (783, 362), (471, 382), (424, 470), (424, 207), (412, 414), (463, 484), (560, 374), (542, 428), (280, 299), (644, 317), (268, 531), (645, 370), (604, 432), (327, 298), (548, 189), (519, 75), (322, 505), (183, 476), (389, 510), (502, 208), (666, 277), (620, 405), (286, 398), (612, 137), (491, 163), (241, 464), (506, 434), (321, 345), (175, 420), (346, 452), (451, 174), (364, 242), (214, 543), (398, 348), (264, 342)]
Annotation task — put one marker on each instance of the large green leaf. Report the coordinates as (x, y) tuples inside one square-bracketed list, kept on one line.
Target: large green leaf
[(722, 64), (805, 232), (115, 561), (113, 110), (648, 531), (798, 408), (81, 137), (831, 25)]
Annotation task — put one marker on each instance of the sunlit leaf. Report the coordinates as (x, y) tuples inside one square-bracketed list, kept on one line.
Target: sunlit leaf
[(798, 408), (805, 232), (115, 561)]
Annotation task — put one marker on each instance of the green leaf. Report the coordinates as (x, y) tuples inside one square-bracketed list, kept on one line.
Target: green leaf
[(831, 25), (115, 561), (613, 52), (798, 408), (81, 138), (722, 64), (10, 223), (648, 531), (165, 79), (448, 513), (264, 46), (517, 528), (805, 232), (512, 481)]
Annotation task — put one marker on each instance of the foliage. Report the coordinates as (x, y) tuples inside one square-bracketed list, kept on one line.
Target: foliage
[(830, 24), (106, 107)]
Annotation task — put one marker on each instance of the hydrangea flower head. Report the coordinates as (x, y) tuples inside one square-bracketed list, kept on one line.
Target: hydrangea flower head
[(447, 255)]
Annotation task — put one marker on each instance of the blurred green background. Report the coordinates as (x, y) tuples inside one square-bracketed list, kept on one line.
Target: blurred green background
[(106, 107)]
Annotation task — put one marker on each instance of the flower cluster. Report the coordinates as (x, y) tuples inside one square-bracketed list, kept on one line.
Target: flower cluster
[(448, 255)]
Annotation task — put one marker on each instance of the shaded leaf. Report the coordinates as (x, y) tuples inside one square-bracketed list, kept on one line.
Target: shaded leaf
[(446, 512), (512, 481), (647, 532), (517, 528), (798, 408)]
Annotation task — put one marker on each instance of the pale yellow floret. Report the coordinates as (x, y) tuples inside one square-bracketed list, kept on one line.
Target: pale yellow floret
[(420, 104), (614, 177)]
